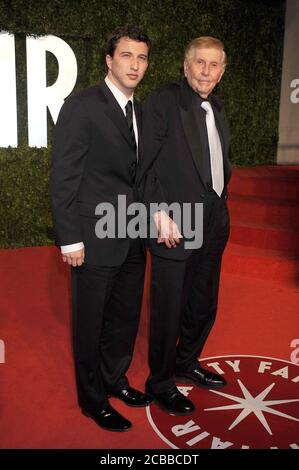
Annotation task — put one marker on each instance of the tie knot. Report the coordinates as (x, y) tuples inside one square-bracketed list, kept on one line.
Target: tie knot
[(129, 107), (206, 106)]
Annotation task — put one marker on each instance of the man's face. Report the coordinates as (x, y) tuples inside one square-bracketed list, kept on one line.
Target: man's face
[(128, 65), (204, 70)]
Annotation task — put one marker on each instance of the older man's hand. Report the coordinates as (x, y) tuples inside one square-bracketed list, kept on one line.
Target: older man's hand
[(168, 231), (74, 258)]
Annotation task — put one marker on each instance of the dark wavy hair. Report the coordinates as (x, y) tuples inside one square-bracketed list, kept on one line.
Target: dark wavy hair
[(131, 32)]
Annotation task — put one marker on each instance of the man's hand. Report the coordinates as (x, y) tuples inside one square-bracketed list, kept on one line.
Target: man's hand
[(74, 258), (168, 231)]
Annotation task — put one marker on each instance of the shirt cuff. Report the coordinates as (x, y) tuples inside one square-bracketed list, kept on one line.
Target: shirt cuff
[(73, 247)]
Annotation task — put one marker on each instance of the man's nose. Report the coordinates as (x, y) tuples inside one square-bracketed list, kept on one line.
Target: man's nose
[(206, 69), (134, 64)]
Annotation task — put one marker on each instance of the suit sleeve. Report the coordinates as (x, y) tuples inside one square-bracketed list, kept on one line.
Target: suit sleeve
[(154, 126), (70, 145)]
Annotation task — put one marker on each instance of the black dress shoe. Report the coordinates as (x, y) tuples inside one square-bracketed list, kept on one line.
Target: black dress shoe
[(202, 377), (132, 397), (172, 401), (109, 419)]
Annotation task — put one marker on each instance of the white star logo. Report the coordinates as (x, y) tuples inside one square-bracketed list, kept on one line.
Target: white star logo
[(256, 405)]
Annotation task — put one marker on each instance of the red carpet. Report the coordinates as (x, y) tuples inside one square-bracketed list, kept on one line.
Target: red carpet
[(258, 316)]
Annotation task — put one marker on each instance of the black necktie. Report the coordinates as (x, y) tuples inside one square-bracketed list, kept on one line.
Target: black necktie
[(129, 118)]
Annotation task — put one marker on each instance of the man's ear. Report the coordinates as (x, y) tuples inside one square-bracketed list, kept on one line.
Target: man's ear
[(185, 67), (221, 75), (108, 61)]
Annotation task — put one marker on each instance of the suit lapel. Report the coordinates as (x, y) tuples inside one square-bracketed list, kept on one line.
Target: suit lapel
[(137, 109), (220, 125), (192, 136), (191, 129), (224, 137), (115, 114)]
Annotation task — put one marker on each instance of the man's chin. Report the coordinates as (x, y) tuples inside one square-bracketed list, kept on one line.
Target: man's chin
[(203, 93), (132, 84)]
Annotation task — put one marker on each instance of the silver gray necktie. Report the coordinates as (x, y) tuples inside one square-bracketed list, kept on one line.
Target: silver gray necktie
[(215, 149)]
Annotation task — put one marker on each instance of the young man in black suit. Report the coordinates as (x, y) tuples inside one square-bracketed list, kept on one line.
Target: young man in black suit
[(95, 156), (186, 141)]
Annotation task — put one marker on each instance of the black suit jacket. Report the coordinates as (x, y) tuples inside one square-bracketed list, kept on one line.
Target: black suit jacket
[(173, 169), (93, 160)]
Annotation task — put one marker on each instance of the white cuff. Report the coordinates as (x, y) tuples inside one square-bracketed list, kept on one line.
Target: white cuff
[(73, 247)]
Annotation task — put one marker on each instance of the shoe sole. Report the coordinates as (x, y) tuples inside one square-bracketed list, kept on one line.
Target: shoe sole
[(190, 381), (128, 404), (88, 415), (172, 413)]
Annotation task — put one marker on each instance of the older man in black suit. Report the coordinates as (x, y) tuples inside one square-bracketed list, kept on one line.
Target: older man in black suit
[(95, 156), (186, 142)]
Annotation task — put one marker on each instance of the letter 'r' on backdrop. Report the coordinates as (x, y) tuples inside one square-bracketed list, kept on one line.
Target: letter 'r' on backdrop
[(39, 95)]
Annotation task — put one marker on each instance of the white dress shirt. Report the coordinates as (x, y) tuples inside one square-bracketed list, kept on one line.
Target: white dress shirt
[(122, 101)]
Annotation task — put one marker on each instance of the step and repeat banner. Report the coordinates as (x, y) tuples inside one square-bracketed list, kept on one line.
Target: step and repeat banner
[(288, 146)]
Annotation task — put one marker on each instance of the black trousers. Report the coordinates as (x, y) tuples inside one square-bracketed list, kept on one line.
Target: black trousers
[(106, 311), (184, 297)]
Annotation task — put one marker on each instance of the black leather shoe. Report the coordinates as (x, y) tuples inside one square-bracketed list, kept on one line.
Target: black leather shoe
[(172, 401), (132, 397), (201, 377), (109, 419)]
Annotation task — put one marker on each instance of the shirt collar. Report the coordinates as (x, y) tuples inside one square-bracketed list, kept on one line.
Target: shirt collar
[(118, 95)]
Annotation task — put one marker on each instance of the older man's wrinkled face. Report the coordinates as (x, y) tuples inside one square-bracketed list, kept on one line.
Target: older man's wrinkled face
[(204, 69)]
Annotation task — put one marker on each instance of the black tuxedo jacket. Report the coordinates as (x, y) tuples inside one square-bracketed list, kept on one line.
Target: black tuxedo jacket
[(173, 169), (93, 160)]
